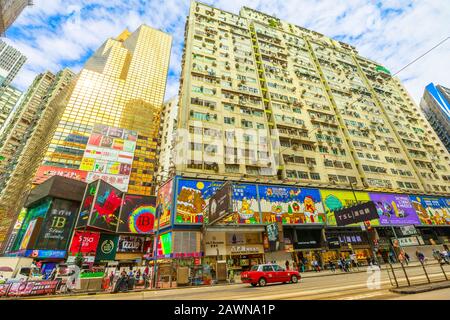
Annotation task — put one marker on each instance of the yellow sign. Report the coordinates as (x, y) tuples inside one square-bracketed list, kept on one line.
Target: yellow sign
[(87, 164), (335, 199), (114, 167)]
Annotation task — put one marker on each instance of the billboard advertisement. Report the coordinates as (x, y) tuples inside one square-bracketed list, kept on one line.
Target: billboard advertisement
[(165, 196), (245, 204), (394, 209), (130, 244), (291, 205), (137, 214), (357, 213), (431, 210), (109, 155), (107, 247), (336, 199), (106, 208), (27, 236), (86, 205), (165, 245), (84, 242), (220, 203), (45, 172), (57, 226), (193, 198)]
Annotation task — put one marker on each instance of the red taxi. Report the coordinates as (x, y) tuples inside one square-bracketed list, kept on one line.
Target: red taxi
[(269, 273)]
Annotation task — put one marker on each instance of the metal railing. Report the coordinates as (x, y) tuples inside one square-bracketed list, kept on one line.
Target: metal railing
[(417, 273)]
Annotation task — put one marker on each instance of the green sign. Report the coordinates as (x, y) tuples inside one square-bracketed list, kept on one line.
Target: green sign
[(107, 247), (383, 69)]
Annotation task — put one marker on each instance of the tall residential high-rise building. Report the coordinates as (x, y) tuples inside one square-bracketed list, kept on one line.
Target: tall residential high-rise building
[(122, 86), (11, 60), (9, 11), (9, 98), (435, 104), (24, 142), (168, 129), (264, 99)]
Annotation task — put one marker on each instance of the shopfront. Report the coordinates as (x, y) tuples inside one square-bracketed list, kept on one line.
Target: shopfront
[(307, 244), (343, 242)]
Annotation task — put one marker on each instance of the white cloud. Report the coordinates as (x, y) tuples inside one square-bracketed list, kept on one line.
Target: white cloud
[(392, 32)]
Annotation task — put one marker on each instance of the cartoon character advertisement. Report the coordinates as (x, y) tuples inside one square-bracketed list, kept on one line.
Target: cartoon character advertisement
[(336, 199), (193, 198), (245, 205), (137, 215), (165, 194), (431, 210), (291, 205), (394, 209), (105, 213)]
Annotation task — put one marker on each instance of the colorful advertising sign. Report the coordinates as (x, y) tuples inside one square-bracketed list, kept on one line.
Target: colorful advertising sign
[(192, 199), (57, 225), (86, 205), (165, 245), (291, 205), (394, 209), (336, 199), (31, 288), (84, 242), (431, 210), (245, 204), (137, 214), (105, 213), (46, 254), (165, 194), (45, 172), (27, 237), (357, 213), (109, 154), (130, 244), (107, 247)]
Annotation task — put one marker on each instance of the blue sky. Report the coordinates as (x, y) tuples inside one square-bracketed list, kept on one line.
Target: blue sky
[(59, 33)]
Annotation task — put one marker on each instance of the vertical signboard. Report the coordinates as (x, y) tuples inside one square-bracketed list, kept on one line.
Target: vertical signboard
[(57, 226), (137, 215), (87, 204), (165, 198), (109, 155)]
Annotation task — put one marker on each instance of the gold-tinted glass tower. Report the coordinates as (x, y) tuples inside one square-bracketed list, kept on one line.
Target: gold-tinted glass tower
[(122, 85)]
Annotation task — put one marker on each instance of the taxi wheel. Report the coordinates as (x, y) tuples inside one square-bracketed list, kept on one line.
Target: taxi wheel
[(262, 282), (294, 279)]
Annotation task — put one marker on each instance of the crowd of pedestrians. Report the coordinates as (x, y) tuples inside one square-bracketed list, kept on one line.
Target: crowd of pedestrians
[(123, 281)]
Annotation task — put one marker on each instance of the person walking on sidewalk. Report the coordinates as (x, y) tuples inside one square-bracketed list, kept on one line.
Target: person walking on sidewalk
[(332, 266), (287, 264), (420, 256)]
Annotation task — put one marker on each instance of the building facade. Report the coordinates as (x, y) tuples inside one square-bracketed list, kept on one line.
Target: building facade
[(11, 60), (168, 129), (122, 85), (25, 140), (9, 11), (435, 104), (310, 109), (295, 126), (9, 98)]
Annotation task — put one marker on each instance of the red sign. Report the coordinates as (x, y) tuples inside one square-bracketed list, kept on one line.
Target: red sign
[(32, 288), (84, 242), (45, 172)]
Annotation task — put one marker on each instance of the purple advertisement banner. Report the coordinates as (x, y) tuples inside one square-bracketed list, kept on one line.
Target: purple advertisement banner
[(394, 209)]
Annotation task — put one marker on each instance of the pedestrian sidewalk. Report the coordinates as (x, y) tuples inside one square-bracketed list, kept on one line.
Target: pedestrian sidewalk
[(422, 288)]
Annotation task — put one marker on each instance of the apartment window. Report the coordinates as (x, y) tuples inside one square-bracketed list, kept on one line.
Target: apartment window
[(315, 176), (196, 146), (291, 173), (228, 120), (232, 168), (302, 175), (308, 147)]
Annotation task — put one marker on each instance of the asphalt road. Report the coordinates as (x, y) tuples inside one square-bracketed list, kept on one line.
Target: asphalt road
[(350, 286)]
